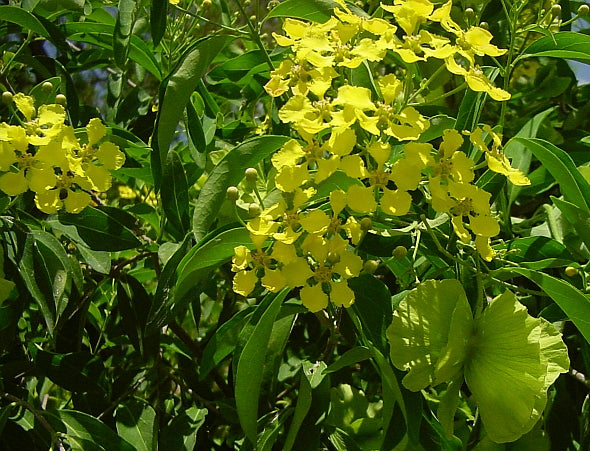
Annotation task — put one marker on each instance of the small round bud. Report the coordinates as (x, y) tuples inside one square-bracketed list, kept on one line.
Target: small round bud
[(254, 210), (332, 258), (366, 224), (253, 19), (251, 175), (399, 252), (469, 14), (556, 10), (370, 266), (7, 97), (232, 193), (206, 4), (47, 87), (484, 25), (583, 10), (60, 99), (570, 271)]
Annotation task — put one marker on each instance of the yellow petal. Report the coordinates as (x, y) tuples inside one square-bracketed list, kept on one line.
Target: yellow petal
[(314, 298), (14, 183), (76, 201)]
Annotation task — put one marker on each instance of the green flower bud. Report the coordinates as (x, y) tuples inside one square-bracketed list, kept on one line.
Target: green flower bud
[(469, 14), (570, 271), (556, 10), (60, 99), (251, 175), (47, 87), (254, 210), (232, 193), (366, 224), (484, 25), (583, 10), (370, 266), (332, 258), (7, 97), (399, 252)]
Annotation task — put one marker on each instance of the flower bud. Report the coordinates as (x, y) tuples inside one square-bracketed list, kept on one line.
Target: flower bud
[(366, 224), (47, 87), (370, 266), (399, 252), (469, 14), (332, 258), (484, 25), (232, 193), (60, 99), (206, 4), (7, 97), (251, 175), (583, 10), (254, 210), (570, 271), (556, 10)]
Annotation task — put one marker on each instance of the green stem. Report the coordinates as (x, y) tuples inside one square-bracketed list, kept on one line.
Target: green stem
[(459, 88), (255, 35), (18, 51), (217, 24), (436, 73)]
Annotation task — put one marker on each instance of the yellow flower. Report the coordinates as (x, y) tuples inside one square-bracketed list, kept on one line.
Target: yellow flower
[(409, 14), (42, 125)]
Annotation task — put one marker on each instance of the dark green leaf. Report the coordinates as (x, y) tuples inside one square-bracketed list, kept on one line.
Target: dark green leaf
[(136, 423), (25, 19), (229, 172), (80, 425), (350, 357), (303, 405), (158, 16), (102, 228), (251, 365), (175, 92), (578, 218), (174, 192), (181, 433)]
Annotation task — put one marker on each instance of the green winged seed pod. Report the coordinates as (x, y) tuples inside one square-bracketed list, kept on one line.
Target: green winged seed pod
[(507, 358)]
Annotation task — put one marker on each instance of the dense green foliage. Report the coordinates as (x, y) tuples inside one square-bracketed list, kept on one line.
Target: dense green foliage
[(294, 225)]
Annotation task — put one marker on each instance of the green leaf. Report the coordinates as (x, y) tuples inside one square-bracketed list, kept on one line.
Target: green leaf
[(573, 185), (101, 34), (136, 423), (158, 17), (102, 228), (181, 433), (571, 300), (229, 172), (25, 19), (223, 342), (166, 298), (578, 218), (208, 255), (174, 192), (312, 10), (100, 261), (373, 306), (175, 92), (567, 45), (251, 365), (304, 398), (80, 425), (122, 34), (75, 371), (350, 357)]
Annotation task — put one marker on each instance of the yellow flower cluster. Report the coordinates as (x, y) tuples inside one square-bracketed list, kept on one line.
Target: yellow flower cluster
[(373, 137), (44, 155)]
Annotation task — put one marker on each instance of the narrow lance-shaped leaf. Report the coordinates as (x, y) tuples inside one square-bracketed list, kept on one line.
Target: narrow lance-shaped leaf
[(174, 193), (229, 172), (158, 16), (251, 365), (567, 45), (122, 35), (136, 423), (175, 92)]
